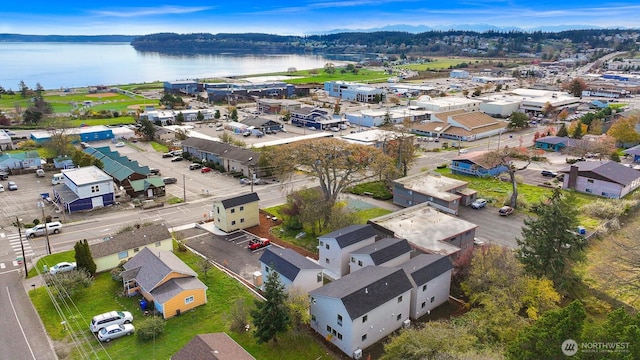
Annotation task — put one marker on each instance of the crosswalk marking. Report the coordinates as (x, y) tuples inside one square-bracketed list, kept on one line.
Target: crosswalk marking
[(14, 242), (2, 266)]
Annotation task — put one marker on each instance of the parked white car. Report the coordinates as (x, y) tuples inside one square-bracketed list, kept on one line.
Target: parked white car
[(111, 332), (110, 318), (62, 267)]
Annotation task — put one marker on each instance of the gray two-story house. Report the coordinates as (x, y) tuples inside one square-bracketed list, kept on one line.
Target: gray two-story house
[(336, 247), (384, 252)]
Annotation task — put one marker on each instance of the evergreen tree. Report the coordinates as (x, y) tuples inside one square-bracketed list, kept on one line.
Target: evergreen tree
[(271, 316), (563, 132), (549, 242), (84, 260), (545, 338)]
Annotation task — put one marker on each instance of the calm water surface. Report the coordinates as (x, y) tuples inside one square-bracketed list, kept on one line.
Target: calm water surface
[(60, 65)]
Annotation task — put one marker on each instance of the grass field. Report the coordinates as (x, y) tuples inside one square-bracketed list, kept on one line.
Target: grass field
[(106, 295), (305, 76)]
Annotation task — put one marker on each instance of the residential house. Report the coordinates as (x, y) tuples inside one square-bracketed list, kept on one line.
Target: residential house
[(554, 143), (122, 246), (20, 160), (84, 188), (235, 213), (229, 157), (335, 248), (164, 280), (384, 252), (635, 152), (359, 309), (294, 270), (427, 230), (608, 179), (6, 143), (164, 135), (149, 188), (430, 277), (476, 163), (442, 192), (212, 346)]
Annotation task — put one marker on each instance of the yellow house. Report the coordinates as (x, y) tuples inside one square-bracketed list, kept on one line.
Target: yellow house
[(115, 249), (236, 213), (163, 280)]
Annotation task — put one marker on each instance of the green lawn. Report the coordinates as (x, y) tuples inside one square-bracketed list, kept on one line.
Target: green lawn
[(161, 148), (304, 76), (105, 295)]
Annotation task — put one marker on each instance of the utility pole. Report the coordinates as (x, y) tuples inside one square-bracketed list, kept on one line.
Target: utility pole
[(251, 177), (24, 260), (46, 230), (184, 189)]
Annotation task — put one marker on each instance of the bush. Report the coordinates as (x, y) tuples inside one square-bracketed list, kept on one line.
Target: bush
[(150, 328), (608, 209), (65, 285)]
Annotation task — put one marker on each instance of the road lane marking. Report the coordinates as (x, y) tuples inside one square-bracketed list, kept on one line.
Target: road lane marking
[(19, 324)]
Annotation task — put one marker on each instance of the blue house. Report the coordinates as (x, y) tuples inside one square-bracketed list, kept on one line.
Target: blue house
[(635, 152), (554, 143), (20, 160), (84, 188), (476, 164)]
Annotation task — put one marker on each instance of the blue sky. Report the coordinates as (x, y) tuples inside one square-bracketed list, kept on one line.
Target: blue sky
[(297, 17)]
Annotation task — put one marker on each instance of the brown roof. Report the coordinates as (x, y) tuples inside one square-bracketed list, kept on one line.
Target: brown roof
[(145, 235), (454, 130), (473, 120), (212, 346), (431, 126), (444, 116)]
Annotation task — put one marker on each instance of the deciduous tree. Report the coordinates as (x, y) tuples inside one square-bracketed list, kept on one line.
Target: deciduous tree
[(624, 130), (518, 120)]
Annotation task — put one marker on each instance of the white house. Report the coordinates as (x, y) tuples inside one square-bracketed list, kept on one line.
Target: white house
[(609, 179), (430, 276), (384, 252), (84, 188), (294, 269), (335, 248), (357, 310)]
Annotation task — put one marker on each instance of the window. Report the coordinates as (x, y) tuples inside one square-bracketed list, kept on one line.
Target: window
[(158, 244), (590, 191), (400, 298), (339, 319), (433, 298), (233, 222), (313, 318), (365, 318), (334, 332), (267, 269), (353, 259), (241, 208), (424, 287), (123, 254), (339, 336), (321, 244), (313, 300), (424, 303), (359, 262), (188, 300), (328, 329), (364, 337), (218, 210), (326, 246), (590, 181), (327, 260), (233, 211), (241, 220), (135, 250), (95, 188), (319, 277), (399, 317)]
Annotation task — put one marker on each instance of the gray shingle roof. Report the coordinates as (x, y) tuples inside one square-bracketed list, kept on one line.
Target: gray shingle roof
[(385, 249), (173, 287), (553, 140), (154, 266), (130, 239), (212, 346), (426, 267), (223, 150), (351, 234), (287, 262), (239, 200), (366, 289), (610, 171), (633, 151)]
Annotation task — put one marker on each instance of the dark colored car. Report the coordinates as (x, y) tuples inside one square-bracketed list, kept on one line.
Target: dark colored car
[(177, 158), (4, 175), (169, 180), (154, 171), (505, 211), (167, 155)]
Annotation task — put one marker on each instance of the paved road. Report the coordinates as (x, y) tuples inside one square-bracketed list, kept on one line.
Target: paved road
[(23, 336)]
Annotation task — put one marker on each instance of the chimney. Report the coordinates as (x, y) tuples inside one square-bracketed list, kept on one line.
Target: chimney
[(573, 177)]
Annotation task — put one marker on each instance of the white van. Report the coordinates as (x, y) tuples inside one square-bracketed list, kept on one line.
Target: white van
[(110, 318), (53, 227), (57, 179)]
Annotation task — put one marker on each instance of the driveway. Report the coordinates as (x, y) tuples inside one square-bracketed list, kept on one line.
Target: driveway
[(493, 228)]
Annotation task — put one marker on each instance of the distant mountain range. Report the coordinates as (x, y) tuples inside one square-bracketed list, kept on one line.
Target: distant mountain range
[(66, 38), (416, 29)]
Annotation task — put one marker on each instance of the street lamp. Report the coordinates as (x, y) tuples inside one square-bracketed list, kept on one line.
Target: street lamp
[(24, 260), (46, 230)]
